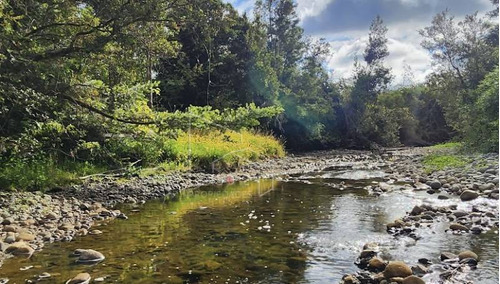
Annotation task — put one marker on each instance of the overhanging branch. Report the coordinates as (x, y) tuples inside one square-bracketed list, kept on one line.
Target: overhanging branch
[(105, 114)]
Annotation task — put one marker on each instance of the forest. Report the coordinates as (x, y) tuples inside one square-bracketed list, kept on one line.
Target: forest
[(90, 87)]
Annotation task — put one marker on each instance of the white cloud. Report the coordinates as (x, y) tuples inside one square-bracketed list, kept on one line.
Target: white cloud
[(311, 8), (401, 53)]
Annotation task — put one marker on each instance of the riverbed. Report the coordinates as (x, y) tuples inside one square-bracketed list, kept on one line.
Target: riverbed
[(305, 228)]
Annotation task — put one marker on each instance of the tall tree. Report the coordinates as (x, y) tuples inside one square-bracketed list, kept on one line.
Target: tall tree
[(370, 79)]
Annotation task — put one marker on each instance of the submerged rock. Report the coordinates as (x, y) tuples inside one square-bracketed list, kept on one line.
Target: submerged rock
[(80, 278), (88, 255)]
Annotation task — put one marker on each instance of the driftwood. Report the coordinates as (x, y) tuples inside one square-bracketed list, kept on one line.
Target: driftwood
[(111, 173)]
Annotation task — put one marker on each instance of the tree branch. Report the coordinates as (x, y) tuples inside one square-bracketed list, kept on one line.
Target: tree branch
[(105, 114)]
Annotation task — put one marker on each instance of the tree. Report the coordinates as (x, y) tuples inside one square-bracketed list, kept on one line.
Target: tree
[(462, 57), (369, 81)]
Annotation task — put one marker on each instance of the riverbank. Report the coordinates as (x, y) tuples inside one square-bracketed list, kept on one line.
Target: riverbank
[(34, 218)]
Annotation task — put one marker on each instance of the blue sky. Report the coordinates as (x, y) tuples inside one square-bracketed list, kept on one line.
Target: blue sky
[(345, 24)]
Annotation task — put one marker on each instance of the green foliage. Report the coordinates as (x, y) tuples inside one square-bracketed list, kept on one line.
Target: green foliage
[(482, 134), (381, 124), (466, 82)]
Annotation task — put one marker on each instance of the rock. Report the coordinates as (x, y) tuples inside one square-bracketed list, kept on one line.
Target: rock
[(448, 255), (122, 216), (25, 237), (435, 184), (469, 261), (88, 255), (376, 264), (398, 280), (467, 254), (424, 261), (95, 232), (397, 269), (51, 216), (468, 195), (459, 214), (443, 197), (10, 228), (28, 222), (66, 227), (419, 270), (19, 248), (80, 278), (44, 275), (82, 232), (8, 221), (458, 227), (412, 279), (417, 210), (371, 246), (476, 230), (367, 253), (10, 238), (351, 279)]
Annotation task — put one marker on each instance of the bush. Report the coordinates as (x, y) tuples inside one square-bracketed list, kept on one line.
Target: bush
[(43, 173)]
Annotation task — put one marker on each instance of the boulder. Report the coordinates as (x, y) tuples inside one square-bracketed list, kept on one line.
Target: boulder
[(468, 195), (376, 264), (412, 279), (467, 254), (397, 269), (19, 248)]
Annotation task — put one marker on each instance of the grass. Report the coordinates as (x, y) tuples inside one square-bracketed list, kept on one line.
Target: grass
[(44, 173), (223, 150), (437, 162), (448, 145)]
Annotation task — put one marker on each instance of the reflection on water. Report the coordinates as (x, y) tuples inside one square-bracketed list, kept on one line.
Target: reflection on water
[(254, 232)]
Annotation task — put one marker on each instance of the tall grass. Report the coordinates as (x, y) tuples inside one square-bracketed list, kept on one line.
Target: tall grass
[(223, 151), (43, 173), (213, 150)]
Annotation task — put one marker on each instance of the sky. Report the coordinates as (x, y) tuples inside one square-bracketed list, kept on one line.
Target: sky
[(345, 25)]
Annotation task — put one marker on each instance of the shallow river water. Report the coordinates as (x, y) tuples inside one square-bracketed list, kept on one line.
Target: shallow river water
[(302, 231)]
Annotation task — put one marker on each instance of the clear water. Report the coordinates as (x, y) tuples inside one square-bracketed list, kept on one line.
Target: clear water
[(259, 232)]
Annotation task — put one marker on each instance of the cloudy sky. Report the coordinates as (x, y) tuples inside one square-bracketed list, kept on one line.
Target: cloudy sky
[(345, 24)]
